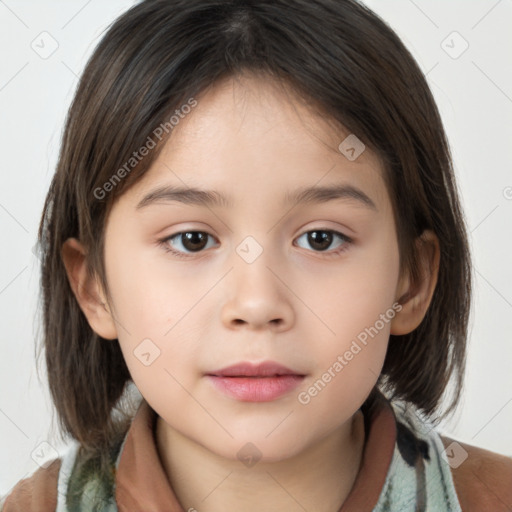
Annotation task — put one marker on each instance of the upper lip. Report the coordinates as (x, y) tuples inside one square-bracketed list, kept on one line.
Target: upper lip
[(247, 369)]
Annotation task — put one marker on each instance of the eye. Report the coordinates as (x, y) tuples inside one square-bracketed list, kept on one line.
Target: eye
[(322, 239), (193, 241)]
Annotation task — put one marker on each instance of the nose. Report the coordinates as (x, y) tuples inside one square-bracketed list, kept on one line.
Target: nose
[(257, 297)]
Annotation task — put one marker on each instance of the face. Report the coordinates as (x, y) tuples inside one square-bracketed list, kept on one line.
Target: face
[(197, 287)]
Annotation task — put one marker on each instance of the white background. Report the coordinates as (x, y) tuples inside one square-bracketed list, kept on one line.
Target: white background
[(473, 91)]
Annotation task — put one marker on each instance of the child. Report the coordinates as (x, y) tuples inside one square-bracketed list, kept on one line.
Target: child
[(210, 146)]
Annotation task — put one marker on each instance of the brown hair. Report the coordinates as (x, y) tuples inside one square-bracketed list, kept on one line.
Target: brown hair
[(344, 60)]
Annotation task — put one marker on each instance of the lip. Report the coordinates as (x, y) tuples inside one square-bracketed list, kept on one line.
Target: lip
[(249, 382), (247, 369)]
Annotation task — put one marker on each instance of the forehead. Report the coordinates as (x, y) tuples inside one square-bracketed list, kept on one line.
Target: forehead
[(253, 134)]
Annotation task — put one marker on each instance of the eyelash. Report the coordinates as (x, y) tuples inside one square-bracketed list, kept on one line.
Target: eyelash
[(347, 242)]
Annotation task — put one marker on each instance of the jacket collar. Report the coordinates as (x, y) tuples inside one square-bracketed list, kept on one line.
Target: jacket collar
[(141, 482)]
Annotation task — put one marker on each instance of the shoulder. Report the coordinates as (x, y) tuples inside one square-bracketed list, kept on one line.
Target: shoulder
[(40, 491), (483, 479), (37, 493), (478, 479)]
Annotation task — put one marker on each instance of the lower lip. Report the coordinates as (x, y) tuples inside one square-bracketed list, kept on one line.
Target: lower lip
[(256, 389)]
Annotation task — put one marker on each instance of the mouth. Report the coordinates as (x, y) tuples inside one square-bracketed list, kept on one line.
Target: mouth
[(255, 382)]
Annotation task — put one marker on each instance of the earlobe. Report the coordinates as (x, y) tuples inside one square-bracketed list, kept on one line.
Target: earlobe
[(415, 298), (87, 290)]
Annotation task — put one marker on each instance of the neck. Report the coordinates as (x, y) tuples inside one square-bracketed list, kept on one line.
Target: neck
[(319, 478)]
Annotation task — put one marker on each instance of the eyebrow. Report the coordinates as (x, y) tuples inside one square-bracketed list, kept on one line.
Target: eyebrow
[(213, 198)]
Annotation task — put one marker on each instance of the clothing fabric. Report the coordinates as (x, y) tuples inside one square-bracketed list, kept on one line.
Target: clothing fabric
[(403, 469)]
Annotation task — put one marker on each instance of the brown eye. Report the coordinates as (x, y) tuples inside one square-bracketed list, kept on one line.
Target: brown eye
[(194, 240), (322, 239), (186, 242)]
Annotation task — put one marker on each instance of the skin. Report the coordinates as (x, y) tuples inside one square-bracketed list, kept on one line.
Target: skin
[(294, 304)]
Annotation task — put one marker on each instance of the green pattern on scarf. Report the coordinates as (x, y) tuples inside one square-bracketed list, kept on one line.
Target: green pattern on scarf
[(90, 489)]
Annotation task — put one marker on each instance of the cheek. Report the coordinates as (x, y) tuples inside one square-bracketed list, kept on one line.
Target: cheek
[(152, 311), (356, 311), (349, 362), (357, 292), (150, 294)]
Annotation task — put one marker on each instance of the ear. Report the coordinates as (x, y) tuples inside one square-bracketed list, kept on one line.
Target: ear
[(415, 298), (87, 289)]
